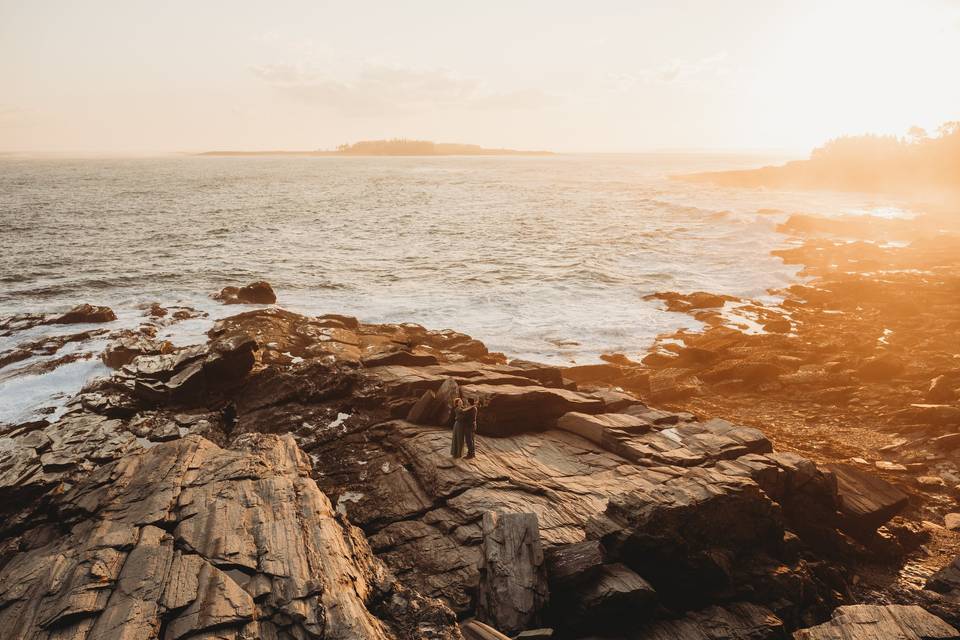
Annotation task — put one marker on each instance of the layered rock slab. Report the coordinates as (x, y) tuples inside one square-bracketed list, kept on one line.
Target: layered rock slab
[(875, 622), (187, 539)]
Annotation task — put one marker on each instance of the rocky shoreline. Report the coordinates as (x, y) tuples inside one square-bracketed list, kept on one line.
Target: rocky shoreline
[(331, 508)]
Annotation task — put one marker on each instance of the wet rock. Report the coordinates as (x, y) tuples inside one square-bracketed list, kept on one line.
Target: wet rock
[(131, 344), (155, 310), (512, 588), (84, 313), (259, 292), (691, 301), (866, 501), (875, 622)]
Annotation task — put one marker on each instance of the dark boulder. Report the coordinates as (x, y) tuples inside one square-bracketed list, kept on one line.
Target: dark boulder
[(259, 292), (866, 501), (85, 313)]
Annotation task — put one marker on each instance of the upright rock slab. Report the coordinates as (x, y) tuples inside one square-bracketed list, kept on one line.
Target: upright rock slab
[(513, 579)]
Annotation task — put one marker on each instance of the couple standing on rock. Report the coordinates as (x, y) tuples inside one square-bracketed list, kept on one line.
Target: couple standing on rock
[(464, 427)]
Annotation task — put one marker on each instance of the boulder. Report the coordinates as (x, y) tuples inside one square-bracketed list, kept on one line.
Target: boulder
[(946, 580), (435, 407), (952, 521), (508, 409), (422, 411), (84, 313), (614, 594), (259, 292), (879, 622), (512, 589), (866, 501)]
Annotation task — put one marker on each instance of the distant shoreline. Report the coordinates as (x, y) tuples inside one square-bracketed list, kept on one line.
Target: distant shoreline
[(338, 154), (394, 147)]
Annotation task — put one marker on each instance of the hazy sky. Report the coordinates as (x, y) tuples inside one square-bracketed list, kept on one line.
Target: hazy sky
[(131, 75)]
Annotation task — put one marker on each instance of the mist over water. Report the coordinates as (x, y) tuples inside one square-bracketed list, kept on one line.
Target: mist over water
[(541, 258)]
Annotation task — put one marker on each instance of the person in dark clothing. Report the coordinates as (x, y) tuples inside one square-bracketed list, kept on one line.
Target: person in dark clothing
[(229, 415), (464, 428)]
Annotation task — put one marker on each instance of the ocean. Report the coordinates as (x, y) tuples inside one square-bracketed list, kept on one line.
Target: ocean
[(543, 258)]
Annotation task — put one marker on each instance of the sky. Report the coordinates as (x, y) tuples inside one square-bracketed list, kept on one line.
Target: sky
[(123, 76)]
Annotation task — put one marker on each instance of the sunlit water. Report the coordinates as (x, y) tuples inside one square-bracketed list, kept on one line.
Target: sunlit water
[(541, 258)]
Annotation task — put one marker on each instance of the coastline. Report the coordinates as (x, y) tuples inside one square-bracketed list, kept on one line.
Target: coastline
[(801, 456)]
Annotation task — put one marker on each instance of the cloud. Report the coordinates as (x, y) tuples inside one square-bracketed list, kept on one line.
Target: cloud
[(383, 89), (673, 72)]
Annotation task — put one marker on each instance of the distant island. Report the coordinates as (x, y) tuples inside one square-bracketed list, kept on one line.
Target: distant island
[(888, 164), (395, 147)]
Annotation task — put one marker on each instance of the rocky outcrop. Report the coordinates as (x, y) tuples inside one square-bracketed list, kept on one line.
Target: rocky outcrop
[(259, 292), (131, 344), (187, 374), (873, 622), (186, 538), (143, 511)]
